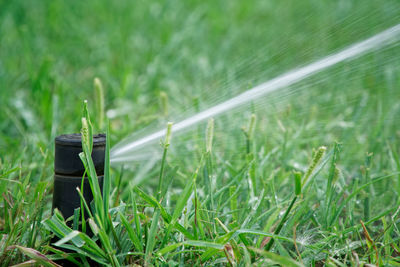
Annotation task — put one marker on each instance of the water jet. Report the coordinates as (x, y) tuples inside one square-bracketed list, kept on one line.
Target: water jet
[(125, 151)]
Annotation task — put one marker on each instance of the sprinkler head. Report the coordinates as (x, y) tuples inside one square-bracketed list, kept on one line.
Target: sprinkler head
[(69, 170)]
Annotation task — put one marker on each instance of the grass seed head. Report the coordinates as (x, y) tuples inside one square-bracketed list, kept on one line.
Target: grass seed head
[(252, 125), (336, 175), (209, 134), (320, 152), (317, 158), (85, 131), (280, 125), (97, 84), (169, 134)]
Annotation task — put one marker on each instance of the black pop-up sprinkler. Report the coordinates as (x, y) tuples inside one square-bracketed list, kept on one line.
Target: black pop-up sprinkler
[(69, 170)]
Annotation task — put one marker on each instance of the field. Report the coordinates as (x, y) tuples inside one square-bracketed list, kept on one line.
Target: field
[(308, 175)]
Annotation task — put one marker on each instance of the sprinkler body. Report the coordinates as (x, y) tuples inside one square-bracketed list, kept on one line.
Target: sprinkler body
[(69, 170)]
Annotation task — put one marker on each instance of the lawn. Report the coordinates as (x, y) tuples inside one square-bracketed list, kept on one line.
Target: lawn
[(308, 175)]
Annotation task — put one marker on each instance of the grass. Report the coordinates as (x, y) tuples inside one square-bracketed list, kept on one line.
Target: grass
[(309, 176)]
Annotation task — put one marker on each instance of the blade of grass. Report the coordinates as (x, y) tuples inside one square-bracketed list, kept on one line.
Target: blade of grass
[(167, 218), (277, 259), (107, 178), (132, 235), (136, 217), (151, 239), (35, 255)]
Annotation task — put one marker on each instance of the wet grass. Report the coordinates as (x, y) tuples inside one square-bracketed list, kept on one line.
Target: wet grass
[(310, 176)]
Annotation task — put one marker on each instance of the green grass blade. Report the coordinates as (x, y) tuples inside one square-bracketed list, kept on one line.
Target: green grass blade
[(277, 259), (187, 192), (169, 248), (132, 235), (136, 217), (167, 218), (204, 244), (151, 239), (107, 178), (75, 223), (36, 255), (67, 238)]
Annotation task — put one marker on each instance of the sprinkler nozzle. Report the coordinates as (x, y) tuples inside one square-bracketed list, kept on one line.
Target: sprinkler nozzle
[(69, 170)]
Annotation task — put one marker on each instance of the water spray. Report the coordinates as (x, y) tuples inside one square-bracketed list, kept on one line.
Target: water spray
[(69, 169), (123, 151)]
